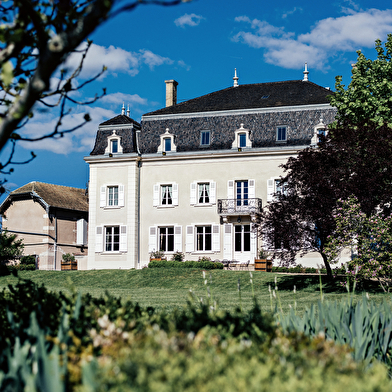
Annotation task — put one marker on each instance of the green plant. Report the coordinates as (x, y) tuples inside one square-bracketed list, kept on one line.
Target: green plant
[(263, 254), (157, 254), (27, 260), (204, 258), (68, 258), (178, 256)]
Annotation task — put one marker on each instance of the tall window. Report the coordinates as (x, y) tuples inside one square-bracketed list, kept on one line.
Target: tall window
[(167, 194), (112, 238), (114, 146), (167, 141), (204, 238), (204, 193), (280, 187), (242, 238), (205, 138), (166, 239), (242, 140), (242, 193), (281, 134), (113, 195)]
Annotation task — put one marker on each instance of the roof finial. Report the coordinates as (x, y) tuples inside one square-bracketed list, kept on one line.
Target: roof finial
[(128, 111), (123, 109), (235, 78), (306, 73)]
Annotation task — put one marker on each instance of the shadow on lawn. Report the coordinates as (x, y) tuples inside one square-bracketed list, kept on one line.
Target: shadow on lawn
[(311, 283)]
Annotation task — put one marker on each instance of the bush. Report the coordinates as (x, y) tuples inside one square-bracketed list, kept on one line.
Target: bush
[(178, 256), (68, 258), (184, 264), (27, 260)]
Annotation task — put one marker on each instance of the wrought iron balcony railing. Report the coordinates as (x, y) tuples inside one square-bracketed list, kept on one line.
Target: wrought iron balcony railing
[(239, 206)]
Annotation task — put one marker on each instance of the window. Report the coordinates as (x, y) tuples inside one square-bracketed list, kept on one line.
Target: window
[(205, 138), (114, 146), (166, 239), (280, 187), (113, 195), (242, 193), (275, 185), (167, 141), (321, 132), (112, 238), (242, 238), (242, 140), (203, 238), (167, 194), (204, 193), (281, 135)]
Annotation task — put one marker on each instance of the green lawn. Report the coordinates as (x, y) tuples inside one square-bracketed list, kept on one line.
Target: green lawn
[(168, 288)]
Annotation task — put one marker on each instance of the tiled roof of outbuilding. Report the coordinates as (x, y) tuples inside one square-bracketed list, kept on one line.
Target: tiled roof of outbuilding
[(55, 195), (252, 96)]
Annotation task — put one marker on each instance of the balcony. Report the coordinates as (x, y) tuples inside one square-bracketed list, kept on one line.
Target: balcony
[(227, 207)]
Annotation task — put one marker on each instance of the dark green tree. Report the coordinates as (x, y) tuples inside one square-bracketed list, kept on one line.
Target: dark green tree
[(10, 247)]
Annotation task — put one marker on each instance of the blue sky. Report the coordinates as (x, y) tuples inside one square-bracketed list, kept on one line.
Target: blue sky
[(199, 44)]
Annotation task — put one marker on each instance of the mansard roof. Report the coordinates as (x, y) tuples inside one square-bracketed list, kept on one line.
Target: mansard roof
[(50, 195), (252, 96), (121, 119)]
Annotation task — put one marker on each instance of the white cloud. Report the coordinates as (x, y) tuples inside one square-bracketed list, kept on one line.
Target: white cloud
[(326, 39), (117, 60), (295, 9), (188, 20)]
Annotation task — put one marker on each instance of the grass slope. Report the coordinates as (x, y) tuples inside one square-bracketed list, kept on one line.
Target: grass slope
[(169, 288)]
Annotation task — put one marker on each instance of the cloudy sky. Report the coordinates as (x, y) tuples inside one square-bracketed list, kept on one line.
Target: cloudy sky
[(199, 44)]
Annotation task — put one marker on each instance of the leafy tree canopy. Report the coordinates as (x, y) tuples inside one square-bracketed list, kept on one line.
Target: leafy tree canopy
[(10, 247)]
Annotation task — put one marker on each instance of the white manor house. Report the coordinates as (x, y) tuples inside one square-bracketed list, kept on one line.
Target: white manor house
[(194, 176)]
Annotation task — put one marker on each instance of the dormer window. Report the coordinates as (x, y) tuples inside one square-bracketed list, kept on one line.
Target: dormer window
[(281, 134), (114, 145), (167, 142), (241, 138), (319, 130), (205, 138)]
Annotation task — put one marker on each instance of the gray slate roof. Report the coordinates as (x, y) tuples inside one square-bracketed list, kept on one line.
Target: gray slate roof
[(252, 96), (119, 120), (57, 196)]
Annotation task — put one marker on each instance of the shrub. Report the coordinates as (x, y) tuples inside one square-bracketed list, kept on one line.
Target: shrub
[(178, 256), (27, 260), (68, 258), (184, 264)]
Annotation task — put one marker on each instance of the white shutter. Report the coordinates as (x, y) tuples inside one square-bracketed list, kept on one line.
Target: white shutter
[(121, 196), (178, 238), (215, 238), (252, 189), (227, 241), (193, 193), (152, 239), (123, 239), (212, 192), (230, 189), (99, 239), (81, 232), (190, 239), (270, 189), (102, 201), (175, 194), (155, 201), (253, 242)]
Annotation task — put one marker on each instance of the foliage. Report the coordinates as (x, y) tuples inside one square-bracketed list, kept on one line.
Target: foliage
[(106, 345), (157, 254), (203, 264), (365, 326), (352, 159), (204, 258), (368, 238), (263, 254), (178, 256), (36, 37), (10, 247), (68, 258), (367, 99), (27, 260)]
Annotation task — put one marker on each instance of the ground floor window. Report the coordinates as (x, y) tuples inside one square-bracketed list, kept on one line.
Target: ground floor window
[(112, 238), (204, 238), (242, 238), (166, 239)]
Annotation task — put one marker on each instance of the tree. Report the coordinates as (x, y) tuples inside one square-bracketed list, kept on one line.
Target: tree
[(353, 159), (36, 37), (10, 247)]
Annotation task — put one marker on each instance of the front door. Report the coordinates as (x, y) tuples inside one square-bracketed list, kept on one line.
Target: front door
[(242, 247)]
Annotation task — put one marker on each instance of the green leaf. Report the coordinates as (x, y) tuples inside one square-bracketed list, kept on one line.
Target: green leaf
[(7, 73)]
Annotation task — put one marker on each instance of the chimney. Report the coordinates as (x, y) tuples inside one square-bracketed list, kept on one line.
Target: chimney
[(171, 92)]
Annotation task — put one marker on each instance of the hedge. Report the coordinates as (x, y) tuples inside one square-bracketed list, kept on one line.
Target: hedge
[(185, 264)]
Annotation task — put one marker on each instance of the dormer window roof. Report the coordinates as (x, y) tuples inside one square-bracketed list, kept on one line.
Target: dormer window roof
[(241, 138), (167, 142), (114, 144)]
